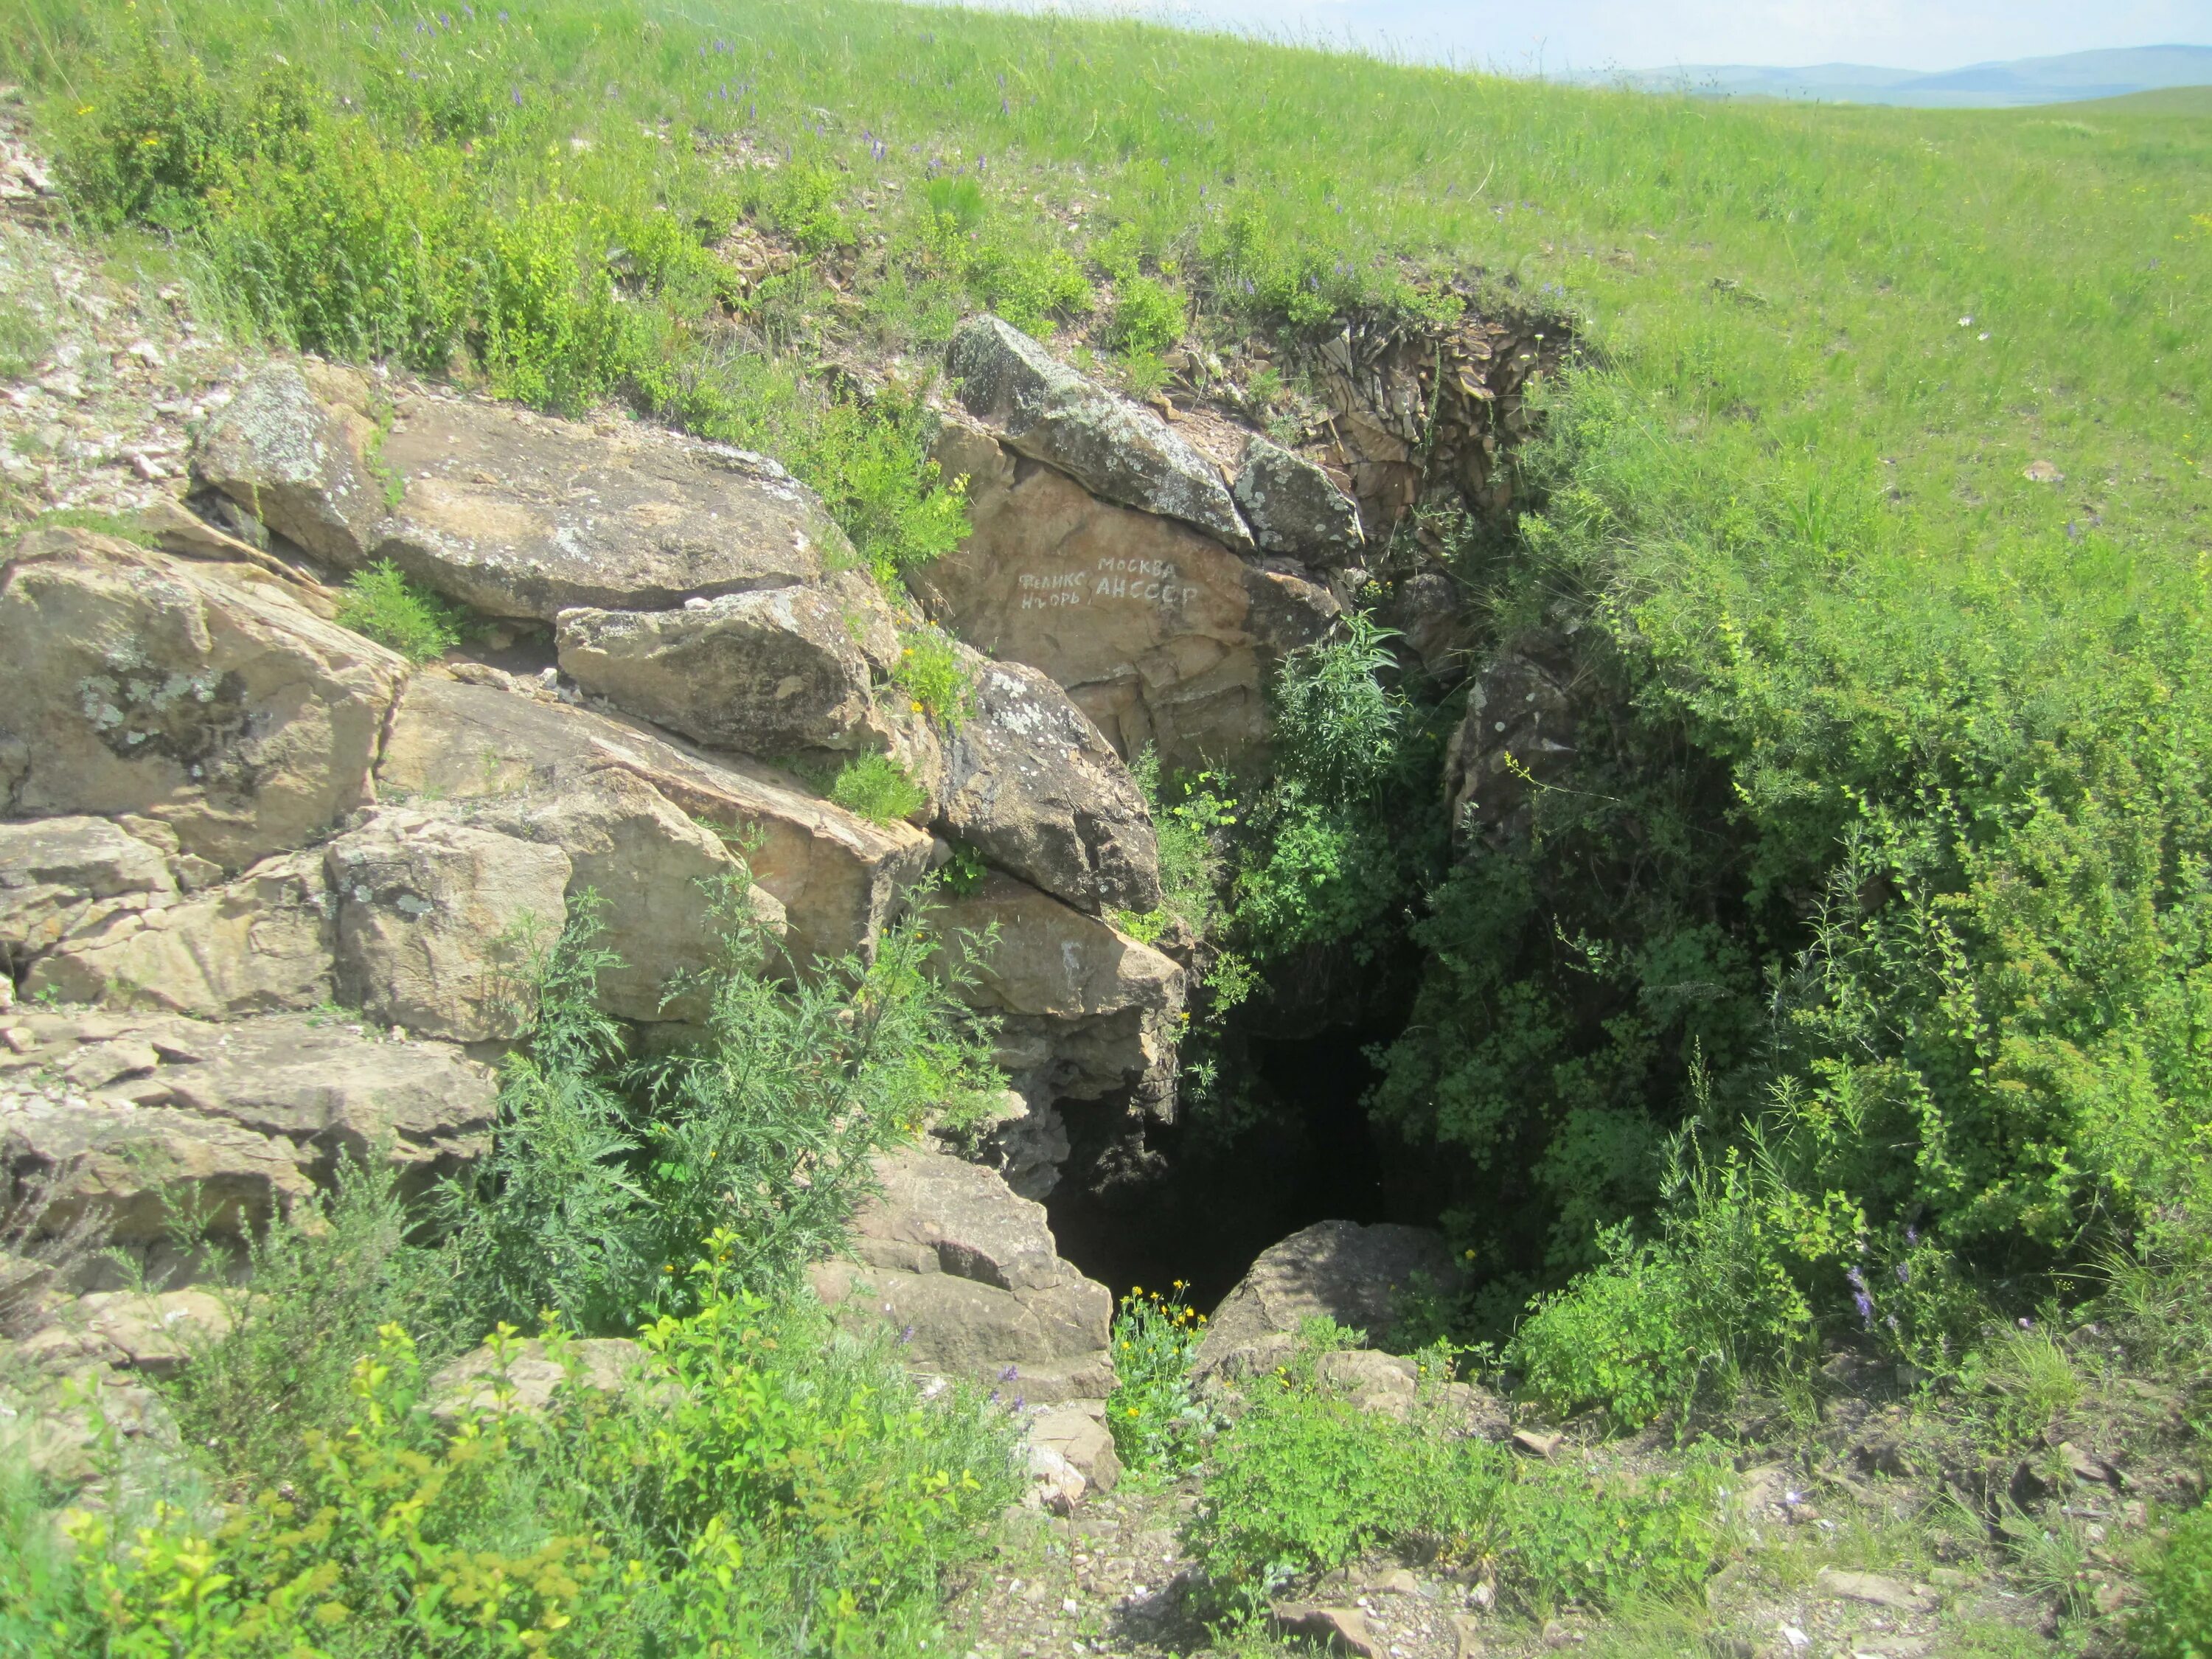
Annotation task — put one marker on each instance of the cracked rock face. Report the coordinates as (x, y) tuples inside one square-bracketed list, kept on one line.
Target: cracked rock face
[(436, 922), (1116, 450), (1338, 1269), (970, 1275), (514, 513), (1032, 784), (1161, 635), (201, 696)]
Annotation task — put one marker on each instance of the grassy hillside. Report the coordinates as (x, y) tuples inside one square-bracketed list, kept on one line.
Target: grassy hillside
[(1884, 475)]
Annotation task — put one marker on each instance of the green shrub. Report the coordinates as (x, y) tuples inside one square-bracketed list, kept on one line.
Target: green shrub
[(1303, 1484), (1336, 726), (1153, 1413), (936, 678), (877, 787), (1147, 318), (25, 339), (383, 604), (42, 1608), (2176, 1618)]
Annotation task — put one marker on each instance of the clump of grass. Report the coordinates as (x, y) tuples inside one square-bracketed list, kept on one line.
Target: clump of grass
[(386, 605), (25, 339), (877, 788), (1147, 318), (936, 678)]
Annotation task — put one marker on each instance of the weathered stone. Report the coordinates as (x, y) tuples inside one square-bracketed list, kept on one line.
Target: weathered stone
[(1025, 1143), (1113, 447), (1085, 1009), (514, 513), (759, 673), (970, 1273), (1337, 1629), (1162, 636), (1384, 1384), (839, 877), (1516, 738), (527, 1377), (1294, 506), (260, 945), (54, 871), (1876, 1589), (1071, 1455), (1336, 1269), (654, 870), (436, 922), (1032, 785), (143, 683), (1427, 610), (331, 1089), (154, 1332)]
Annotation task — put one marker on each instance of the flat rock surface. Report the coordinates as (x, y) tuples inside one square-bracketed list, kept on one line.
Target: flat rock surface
[(1336, 1269)]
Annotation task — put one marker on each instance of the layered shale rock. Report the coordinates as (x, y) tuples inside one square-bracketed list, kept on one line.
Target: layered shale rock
[(514, 513)]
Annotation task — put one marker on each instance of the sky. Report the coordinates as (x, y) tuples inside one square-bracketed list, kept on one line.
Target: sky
[(1561, 36)]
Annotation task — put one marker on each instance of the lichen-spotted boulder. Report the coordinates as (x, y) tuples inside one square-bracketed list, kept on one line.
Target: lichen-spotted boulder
[(1294, 507), (201, 696), (54, 872), (1032, 785), (514, 513), (1115, 449)]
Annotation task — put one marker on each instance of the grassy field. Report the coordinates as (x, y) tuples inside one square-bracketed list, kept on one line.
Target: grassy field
[(1886, 476)]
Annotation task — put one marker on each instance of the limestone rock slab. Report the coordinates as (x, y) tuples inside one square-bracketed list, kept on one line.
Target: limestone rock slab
[(1160, 634), (1115, 448), (514, 513), (211, 701), (54, 871), (436, 922)]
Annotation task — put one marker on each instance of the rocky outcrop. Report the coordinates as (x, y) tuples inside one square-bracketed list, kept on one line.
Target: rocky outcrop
[(772, 673), (1084, 1011), (258, 945), (1116, 450), (1335, 1269), (204, 698), (1161, 635), (54, 872), (514, 513), (968, 1274), (1033, 785), (536, 767), (1517, 738), (1294, 507), (437, 921), (134, 1116), (523, 1377)]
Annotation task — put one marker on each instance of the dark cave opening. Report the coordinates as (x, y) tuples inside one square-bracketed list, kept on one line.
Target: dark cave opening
[(1194, 1204)]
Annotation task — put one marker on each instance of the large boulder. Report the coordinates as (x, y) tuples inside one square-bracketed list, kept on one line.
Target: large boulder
[(1338, 1270), (1083, 1010), (769, 673), (522, 761), (438, 921), (1162, 636), (201, 696), (1116, 450), (53, 871), (1515, 740), (971, 1276), (258, 945), (1294, 507), (1033, 785), (514, 513)]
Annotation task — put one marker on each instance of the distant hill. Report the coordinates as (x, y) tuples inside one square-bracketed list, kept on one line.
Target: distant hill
[(2068, 79)]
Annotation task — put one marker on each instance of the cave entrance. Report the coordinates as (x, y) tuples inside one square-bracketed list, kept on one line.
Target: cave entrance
[(1198, 1204)]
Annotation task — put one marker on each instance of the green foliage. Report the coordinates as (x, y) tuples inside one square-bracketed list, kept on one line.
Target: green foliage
[(1191, 816), (324, 1284), (1154, 1413), (396, 1538), (383, 603), (964, 872), (25, 339), (42, 1610), (1337, 727), (1147, 318), (936, 678), (2176, 1620), (1303, 1483), (877, 788)]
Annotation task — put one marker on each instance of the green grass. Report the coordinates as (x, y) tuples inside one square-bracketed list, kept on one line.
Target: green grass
[(383, 604), (877, 787)]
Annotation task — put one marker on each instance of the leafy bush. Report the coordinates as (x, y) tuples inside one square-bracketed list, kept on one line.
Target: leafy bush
[(1303, 1483), (936, 678), (42, 1609), (25, 339), (2176, 1620), (877, 787), (1147, 318), (1154, 1415), (383, 603), (1336, 726)]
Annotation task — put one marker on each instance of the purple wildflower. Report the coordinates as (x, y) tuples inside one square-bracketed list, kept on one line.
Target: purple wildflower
[(1912, 1236), (907, 1335), (1904, 1273), (1010, 1374)]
